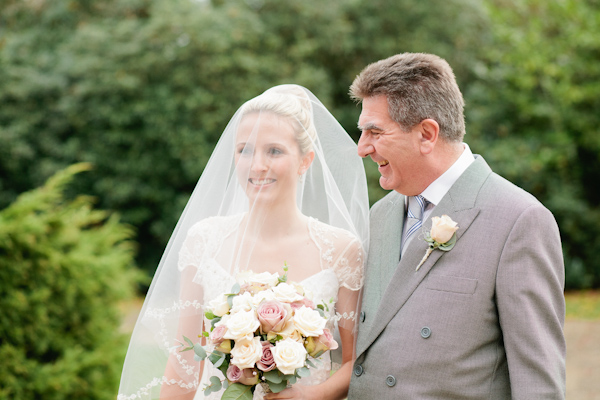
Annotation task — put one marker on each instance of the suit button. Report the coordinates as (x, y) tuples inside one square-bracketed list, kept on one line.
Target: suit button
[(358, 370), (425, 332), (390, 381), (362, 316)]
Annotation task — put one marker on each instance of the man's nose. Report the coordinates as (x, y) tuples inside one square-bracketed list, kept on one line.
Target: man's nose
[(364, 145)]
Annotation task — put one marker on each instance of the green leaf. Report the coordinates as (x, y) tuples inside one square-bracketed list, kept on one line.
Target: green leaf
[(273, 376), (214, 321), (237, 391), (310, 363), (215, 356), (209, 315), (277, 387), (303, 372), (199, 350), (188, 341), (220, 361), (215, 383)]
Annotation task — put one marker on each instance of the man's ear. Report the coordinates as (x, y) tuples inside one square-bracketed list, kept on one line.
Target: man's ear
[(430, 133)]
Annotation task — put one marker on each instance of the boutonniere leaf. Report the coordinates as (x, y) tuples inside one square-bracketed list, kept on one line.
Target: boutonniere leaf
[(442, 236)]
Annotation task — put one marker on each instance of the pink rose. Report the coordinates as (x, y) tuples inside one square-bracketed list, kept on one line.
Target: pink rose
[(246, 376), (304, 302), (273, 315), (315, 346), (267, 362), (216, 336)]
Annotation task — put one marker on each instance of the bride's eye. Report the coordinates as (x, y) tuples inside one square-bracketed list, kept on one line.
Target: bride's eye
[(274, 151), (244, 150)]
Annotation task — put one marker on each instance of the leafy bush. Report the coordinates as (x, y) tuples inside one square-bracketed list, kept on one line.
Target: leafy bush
[(64, 268)]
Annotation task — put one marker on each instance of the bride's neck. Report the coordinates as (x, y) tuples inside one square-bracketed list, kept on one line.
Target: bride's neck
[(275, 221)]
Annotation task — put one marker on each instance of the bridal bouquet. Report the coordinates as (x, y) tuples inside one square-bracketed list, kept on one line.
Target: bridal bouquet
[(266, 331)]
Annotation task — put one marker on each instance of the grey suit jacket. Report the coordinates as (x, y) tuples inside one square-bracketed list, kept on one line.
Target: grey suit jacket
[(481, 321)]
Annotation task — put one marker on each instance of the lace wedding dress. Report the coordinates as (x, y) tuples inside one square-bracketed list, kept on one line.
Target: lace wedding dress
[(341, 259)]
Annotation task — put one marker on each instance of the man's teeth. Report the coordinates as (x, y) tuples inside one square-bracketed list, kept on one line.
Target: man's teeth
[(383, 163), (261, 181)]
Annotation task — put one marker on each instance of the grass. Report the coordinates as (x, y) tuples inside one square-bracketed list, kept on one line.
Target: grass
[(584, 304)]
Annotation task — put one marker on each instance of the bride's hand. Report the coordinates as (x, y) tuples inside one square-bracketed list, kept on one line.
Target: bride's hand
[(296, 392)]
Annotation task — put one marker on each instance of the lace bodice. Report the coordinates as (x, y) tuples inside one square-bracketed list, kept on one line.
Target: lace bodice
[(341, 260)]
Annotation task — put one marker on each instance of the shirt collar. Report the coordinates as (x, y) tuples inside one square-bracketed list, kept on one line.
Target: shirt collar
[(438, 188)]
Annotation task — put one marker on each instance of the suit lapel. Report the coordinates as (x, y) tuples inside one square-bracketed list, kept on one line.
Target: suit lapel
[(458, 204)]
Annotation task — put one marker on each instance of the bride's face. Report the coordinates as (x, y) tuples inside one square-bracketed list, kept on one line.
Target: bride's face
[(268, 159)]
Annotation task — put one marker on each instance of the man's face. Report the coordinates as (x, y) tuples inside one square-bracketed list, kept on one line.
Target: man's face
[(395, 151)]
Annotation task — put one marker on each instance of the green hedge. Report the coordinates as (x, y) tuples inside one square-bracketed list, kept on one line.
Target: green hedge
[(64, 269)]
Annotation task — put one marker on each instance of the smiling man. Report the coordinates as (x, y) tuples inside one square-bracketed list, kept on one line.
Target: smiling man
[(480, 315)]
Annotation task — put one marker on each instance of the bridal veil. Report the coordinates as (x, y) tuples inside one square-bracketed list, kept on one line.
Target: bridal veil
[(331, 192)]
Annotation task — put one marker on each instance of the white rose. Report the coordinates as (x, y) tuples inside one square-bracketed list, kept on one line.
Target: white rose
[(219, 306), (289, 355), (265, 295), (246, 352), (443, 228), (244, 276), (243, 302), (264, 278), (309, 322), (286, 293), (241, 325)]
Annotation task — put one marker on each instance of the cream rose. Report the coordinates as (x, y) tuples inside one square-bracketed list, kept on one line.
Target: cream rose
[(246, 352), (243, 302), (289, 355), (443, 228), (309, 322), (264, 278), (219, 306), (241, 325), (265, 295), (286, 293)]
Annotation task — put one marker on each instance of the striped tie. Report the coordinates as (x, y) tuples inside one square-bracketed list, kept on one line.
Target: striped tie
[(414, 216)]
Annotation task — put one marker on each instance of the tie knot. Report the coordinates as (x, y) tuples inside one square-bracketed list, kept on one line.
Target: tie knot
[(416, 207)]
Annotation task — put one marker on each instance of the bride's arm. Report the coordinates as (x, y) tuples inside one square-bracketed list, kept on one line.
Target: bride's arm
[(189, 326)]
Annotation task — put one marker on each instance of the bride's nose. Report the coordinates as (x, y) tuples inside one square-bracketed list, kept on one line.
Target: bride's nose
[(259, 163)]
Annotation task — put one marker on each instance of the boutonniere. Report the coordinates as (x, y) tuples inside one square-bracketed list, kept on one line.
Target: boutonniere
[(442, 236)]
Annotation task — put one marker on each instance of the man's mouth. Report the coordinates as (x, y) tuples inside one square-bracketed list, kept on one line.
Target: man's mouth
[(382, 163)]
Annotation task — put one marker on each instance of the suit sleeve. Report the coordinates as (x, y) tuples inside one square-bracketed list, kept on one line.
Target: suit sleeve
[(531, 306)]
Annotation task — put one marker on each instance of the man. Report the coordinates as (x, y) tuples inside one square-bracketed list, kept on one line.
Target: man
[(482, 319)]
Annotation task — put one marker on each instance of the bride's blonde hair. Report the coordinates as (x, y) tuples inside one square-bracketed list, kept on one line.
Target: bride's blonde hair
[(291, 102)]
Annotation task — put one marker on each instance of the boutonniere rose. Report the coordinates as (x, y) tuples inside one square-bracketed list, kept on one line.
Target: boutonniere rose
[(442, 236)]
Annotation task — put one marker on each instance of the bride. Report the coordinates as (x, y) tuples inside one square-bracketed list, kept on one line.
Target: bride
[(283, 187)]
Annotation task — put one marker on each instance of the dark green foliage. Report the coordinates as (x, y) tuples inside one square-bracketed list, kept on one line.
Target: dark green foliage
[(64, 269), (143, 88), (534, 112)]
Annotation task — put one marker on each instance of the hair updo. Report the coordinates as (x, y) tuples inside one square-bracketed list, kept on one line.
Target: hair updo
[(290, 102)]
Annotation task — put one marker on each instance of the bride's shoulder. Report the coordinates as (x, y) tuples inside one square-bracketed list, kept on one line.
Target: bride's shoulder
[(334, 234)]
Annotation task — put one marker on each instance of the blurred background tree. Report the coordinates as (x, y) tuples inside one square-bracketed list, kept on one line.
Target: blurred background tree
[(64, 268), (143, 88)]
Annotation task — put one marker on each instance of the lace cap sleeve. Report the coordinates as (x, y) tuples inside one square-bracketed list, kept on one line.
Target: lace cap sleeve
[(341, 251), (349, 266)]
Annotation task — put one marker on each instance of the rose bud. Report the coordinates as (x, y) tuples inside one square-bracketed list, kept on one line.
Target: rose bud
[(443, 228), (233, 373), (267, 362), (249, 377), (216, 336), (224, 346), (316, 346)]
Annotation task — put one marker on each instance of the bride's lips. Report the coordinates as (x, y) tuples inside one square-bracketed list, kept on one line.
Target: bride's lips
[(261, 182)]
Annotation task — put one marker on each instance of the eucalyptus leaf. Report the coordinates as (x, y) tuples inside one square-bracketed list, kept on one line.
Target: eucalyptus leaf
[(273, 376), (303, 372), (236, 288), (199, 350), (219, 361), (216, 383), (277, 387)]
